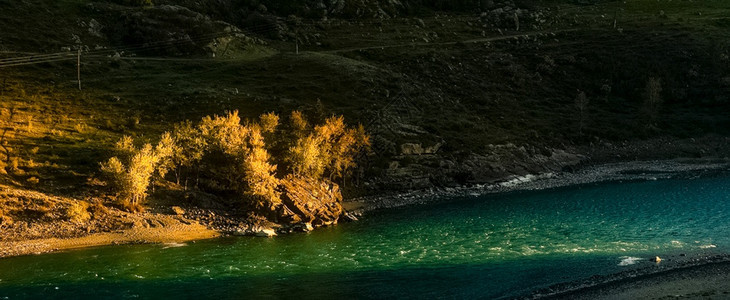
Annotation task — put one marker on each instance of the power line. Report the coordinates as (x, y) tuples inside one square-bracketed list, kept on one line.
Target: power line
[(257, 29), (37, 62), (43, 58), (33, 57)]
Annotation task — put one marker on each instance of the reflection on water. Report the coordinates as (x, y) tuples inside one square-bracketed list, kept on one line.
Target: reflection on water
[(488, 246)]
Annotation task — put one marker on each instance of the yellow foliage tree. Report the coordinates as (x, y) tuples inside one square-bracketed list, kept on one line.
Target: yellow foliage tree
[(253, 174), (235, 155), (188, 149), (133, 180), (329, 150), (305, 157), (125, 146), (164, 150), (269, 122), (298, 122)]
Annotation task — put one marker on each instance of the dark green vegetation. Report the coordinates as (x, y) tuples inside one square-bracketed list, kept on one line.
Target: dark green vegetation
[(451, 92)]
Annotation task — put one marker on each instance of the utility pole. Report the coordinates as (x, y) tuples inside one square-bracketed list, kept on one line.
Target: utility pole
[(297, 43), (615, 15), (78, 68)]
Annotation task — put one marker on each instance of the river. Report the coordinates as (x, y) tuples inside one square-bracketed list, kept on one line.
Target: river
[(491, 246)]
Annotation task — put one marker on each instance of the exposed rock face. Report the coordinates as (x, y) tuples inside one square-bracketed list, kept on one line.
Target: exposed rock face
[(421, 168), (418, 149), (166, 29), (313, 201)]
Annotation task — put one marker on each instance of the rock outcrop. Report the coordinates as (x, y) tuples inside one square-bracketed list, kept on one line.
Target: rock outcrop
[(167, 30), (421, 167), (316, 202)]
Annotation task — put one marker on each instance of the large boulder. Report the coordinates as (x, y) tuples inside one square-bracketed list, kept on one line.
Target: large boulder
[(265, 232), (318, 202)]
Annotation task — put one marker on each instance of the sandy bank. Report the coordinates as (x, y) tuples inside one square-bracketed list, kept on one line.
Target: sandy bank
[(176, 232)]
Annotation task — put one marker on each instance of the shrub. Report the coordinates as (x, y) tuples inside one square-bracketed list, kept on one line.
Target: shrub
[(77, 212), (80, 127), (652, 101), (581, 104), (109, 125), (98, 209), (113, 172)]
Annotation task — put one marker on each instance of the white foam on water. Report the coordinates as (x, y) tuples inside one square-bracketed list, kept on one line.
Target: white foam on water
[(518, 180), (232, 268), (174, 245), (708, 246), (628, 260)]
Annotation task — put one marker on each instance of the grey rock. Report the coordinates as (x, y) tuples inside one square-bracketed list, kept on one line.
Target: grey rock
[(265, 232)]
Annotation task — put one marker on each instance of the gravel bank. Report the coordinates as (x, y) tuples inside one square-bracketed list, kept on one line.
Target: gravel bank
[(701, 276), (624, 171)]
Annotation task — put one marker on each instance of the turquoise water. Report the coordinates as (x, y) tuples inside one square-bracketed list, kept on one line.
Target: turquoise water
[(488, 247)]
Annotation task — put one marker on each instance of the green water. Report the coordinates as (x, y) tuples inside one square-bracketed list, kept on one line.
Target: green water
[(488, 247)]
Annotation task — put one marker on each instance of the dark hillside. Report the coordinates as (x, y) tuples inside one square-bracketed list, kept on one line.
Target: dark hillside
[(453, 92)]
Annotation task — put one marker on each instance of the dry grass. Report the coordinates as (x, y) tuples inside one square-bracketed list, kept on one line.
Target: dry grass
[(464, 95)]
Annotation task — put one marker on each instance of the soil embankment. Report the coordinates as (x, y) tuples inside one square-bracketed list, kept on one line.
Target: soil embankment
[(165, 229)]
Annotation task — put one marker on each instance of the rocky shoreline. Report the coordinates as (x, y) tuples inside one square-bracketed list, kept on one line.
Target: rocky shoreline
[(510, 168), (623, 171), (676, 276), (185, 224)]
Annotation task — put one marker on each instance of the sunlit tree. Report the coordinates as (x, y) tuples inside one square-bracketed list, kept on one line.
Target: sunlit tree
[(235, 155), (131, 175)]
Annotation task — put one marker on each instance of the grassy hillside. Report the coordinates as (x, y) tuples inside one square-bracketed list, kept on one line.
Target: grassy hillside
[(454, 80)]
